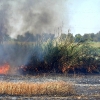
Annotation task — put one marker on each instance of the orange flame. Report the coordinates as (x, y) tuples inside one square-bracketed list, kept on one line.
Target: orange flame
[(4, 69)]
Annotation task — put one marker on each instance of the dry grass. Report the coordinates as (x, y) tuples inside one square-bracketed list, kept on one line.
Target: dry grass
[(30, 89)]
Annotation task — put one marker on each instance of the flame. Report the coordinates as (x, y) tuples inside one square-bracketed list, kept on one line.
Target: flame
[(4, 69)]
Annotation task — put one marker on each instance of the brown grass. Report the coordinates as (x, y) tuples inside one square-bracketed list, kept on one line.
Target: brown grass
[(46, 88)]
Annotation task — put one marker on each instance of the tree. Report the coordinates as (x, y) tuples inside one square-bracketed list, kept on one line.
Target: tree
[(6, 37), (78, 37), (98, 36), (87, 37), (70, 37), (20, 38), (28, 37), (63, 36)]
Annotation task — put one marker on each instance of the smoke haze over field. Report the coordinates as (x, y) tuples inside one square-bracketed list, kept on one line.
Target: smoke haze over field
[(18, 17), (35, 16), (31, 18)]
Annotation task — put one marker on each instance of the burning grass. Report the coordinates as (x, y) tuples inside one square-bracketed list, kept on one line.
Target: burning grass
[(4, 68), (33, 89)]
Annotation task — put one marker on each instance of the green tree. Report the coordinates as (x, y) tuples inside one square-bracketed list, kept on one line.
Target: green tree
[(78, 37), (87, 37)]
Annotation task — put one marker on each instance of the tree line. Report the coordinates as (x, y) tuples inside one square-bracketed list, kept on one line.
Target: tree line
[(29, 37)]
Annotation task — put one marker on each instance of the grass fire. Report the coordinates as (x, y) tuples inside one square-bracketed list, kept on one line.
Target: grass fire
[(4, 69), (49, 57), (41, 55)]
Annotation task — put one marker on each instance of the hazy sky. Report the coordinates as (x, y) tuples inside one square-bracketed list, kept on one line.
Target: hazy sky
[(84, 16), (38, 16)]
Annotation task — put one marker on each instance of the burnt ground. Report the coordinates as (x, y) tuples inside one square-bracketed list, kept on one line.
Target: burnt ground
[(87, 86)]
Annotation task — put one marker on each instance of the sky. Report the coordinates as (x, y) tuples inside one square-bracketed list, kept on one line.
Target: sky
[(38, 16), (84, 16)]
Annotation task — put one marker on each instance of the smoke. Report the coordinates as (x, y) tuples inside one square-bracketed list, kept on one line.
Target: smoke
[(35, 16), (4, 16), (18, 17)]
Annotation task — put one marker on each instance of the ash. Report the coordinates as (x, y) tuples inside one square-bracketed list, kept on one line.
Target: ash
[(86, 86)]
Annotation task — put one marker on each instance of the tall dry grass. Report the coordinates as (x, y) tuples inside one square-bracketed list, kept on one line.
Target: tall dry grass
[(30, 89)]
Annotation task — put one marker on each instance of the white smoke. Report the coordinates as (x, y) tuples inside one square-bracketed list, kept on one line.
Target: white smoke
[(35, 16)]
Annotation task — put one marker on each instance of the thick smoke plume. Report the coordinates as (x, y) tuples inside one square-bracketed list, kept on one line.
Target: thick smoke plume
[(34, 16), (18, 17)]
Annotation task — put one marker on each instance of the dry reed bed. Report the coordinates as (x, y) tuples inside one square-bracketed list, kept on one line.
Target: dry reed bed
[(30, 89)]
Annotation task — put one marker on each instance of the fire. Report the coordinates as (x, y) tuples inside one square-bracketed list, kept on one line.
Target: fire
[(4, 69)]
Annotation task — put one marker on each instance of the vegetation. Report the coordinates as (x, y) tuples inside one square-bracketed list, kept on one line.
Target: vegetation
[(64, 57), (49, 54), (31, 89)]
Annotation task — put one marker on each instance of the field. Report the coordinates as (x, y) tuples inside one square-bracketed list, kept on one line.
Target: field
[(67, 61), (85, 87), (44, 54)]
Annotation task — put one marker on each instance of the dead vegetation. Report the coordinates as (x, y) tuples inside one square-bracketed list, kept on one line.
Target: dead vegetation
[(34, 89)]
